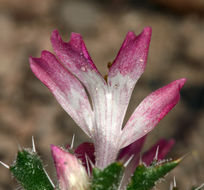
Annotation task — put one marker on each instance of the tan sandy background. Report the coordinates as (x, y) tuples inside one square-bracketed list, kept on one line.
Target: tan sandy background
[(177, 50)]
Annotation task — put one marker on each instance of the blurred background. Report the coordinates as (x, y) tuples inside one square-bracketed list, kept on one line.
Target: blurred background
[(177, 50)]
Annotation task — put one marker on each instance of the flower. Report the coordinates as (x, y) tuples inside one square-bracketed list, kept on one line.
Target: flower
[(71, 171), (130, 155), (72, 74)]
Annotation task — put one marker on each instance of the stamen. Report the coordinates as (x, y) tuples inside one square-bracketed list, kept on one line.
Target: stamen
[(5, 165)]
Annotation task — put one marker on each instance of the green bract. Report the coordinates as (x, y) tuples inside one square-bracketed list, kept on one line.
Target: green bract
[(145, 177), (29, 171), (107, 179)]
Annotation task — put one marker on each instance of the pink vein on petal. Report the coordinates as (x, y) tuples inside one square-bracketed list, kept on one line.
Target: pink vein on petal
[(151, 110), (66, 88)]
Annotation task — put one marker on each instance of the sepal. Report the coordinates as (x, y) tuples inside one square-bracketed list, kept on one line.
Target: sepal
[(145, 177), (107, 179), (29, 172)]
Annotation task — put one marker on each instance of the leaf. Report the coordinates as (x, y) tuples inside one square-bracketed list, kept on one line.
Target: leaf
[(145, 177), (29, 172), (107, 179)]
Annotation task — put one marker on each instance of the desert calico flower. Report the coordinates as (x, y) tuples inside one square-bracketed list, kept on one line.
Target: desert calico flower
[(130, 156), (72, 70)]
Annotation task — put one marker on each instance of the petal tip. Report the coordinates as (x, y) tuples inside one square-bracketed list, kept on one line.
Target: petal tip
[(52, 146), (147, 34), (30, 59), (46, 54), (179, 83), (147, 30), (32, 62), (43, 54), (55, 37), (182, 81), (75, 35), (55, 33)]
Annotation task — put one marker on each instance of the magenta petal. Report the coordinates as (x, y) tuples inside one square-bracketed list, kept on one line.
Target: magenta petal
[(66, 88), (132, 56), (71, 174), (125, 71), (150, 111), (83, 150), (116, 95), (73, 51), (164, 146), (75, 57), (132, 149)]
